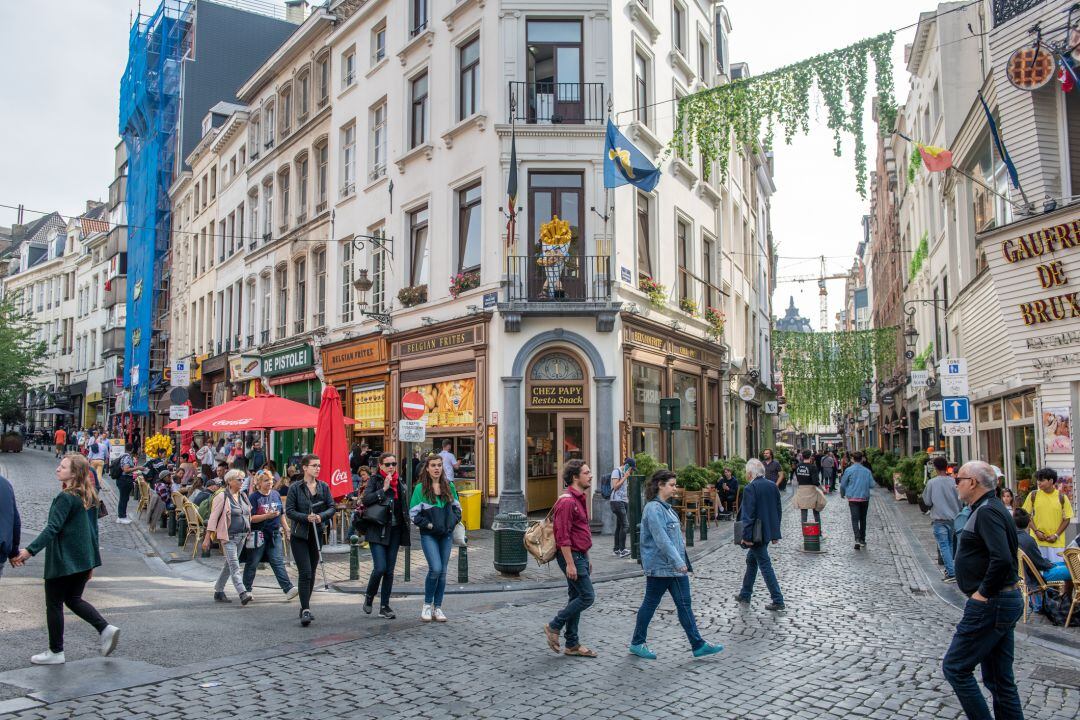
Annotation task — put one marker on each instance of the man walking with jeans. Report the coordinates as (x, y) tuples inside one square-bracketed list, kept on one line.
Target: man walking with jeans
[(619, 504), (986, 572), (760, 504), (573, 540), (855, 486), (940, 496)]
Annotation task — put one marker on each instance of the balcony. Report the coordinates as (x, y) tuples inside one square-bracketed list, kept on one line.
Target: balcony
[(112, 342), (250, 341), (115, 293), (117, 192), (1006, 10), (579, 285), (264, 337), (117, 241), (550, 103)]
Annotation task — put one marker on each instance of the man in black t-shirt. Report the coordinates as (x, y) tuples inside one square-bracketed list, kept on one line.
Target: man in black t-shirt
[(773, 469), (808, 496)]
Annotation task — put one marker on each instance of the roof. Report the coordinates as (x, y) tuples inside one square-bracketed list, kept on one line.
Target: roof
[(37, 230)]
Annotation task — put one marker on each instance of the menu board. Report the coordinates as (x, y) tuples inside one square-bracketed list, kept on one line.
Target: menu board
[(448, 404), (369, 407)]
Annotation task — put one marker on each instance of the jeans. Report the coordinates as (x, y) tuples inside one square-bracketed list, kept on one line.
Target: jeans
[(679, 588), (274, 553), (581, 596), (618, 509), (68, 590), (758, 557), (858, 519), (124, 486), (943, 533), (384, 560), (817, 515), (984, 637), (306, 556), (437, 554), (231, 569)]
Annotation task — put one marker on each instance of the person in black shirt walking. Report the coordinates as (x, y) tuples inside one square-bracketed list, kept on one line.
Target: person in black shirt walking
[(809, 495), (986, 572)]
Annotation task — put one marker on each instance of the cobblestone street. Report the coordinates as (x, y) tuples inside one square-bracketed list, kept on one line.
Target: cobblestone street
[(863, 636)]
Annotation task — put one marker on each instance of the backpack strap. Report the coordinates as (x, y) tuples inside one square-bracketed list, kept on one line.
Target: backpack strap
[(552, 510)]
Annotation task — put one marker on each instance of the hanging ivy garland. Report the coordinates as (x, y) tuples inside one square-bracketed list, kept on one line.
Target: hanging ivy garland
[(711, 118), (825, 373)]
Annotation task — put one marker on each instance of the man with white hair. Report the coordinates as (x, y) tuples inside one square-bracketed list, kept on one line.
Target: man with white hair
[(760, 508), (986, 572)]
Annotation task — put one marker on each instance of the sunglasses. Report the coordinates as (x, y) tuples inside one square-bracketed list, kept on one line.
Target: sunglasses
[(963, 477), (389, 464)]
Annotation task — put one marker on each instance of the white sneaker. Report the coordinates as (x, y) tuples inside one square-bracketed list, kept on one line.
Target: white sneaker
[(292, 593), (124, 521), (48, 658), (439, 616), (109, 636), (425, 614)]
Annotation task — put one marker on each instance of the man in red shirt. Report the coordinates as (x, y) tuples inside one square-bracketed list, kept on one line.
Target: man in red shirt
[(573, 539), (60, 440)]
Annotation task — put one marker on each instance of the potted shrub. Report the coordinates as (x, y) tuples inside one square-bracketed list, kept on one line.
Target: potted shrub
[(463, 282), (715, 317), (656, 291), (693, 478), (647, 464), (414, 295), (688, 306)]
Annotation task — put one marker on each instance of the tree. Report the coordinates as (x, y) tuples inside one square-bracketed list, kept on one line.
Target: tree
[(22, 356)]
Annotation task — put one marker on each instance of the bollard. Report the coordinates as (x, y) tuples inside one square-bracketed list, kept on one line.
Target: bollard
[(354, 558), (408, 562), (703, 535), (181, 530), (171, 522), (811, 533), (634, 496), (463, 565), (690, 530)]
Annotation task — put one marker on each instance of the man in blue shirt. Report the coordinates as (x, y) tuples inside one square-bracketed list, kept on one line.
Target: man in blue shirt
[(855, 485), (761, 504)]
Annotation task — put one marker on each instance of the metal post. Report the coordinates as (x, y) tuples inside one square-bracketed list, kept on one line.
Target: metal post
[(703, 535), (671, 450), (354, 558), (181, 530), (634, 495), (404, 498), (690, 528), (463, 565)]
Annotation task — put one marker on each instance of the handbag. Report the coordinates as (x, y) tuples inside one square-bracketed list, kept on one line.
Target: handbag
[(540, 538), (459, 535), (755, 533), (378, 514), (102, 509), (254, 540)]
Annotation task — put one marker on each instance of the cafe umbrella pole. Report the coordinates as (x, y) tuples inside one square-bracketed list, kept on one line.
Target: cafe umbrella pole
[(406, 459)]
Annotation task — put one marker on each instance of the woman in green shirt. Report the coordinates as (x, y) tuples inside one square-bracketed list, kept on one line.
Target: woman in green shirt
[(434, 508), (70, 541)]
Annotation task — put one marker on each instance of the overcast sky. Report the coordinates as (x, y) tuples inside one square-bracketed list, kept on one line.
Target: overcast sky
[(62, 63)]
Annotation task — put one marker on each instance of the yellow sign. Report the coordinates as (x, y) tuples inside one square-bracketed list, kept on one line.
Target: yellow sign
[(369, 408), (557, 396), (449, 404), (492, 455)]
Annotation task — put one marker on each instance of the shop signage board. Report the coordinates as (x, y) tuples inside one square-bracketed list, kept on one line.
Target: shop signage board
[(935, 405), (244, 367), (659, 344), (288, 361), (770, 407), (875, 408), (747, 392), (436, 343), (919, 378), (556, 395), (491, 300), (179, 412), (357, 354), (412, 431), (957, 429), (956, 409), (413, 406)]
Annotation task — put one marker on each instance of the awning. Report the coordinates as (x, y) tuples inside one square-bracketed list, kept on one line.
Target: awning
[(927, 421)]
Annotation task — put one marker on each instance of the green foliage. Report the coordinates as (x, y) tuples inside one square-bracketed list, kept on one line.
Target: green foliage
[(693, 477), (786, 458), (746, 112), (921, 254), (22, 356), (914, 163), (737, 465), (647, 464), (912, 471), (920, 360), (882, 465), (824, 373)]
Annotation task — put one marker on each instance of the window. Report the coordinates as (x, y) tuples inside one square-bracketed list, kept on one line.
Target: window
[(322, 78), (268, 211), (554, 193), (378, 275), (554, 71), (238, 229), (703, 59), (323, 155), (255, 138), (678, 27), (469, 239), (378, 43), (418, 247), (418, 118), (682, 247), (268, 126), (286, 111), (303, 97), (251, 313), (253, 205), (644, 260), (348, 160), (687, 388), (281, 280), (721, 43), (348, 68), (641, 88), (647, 387), (707, 255), (318, 259), (301, 189), (300, 273), (469, 78), (990, 210), (378, 142), (419, 17), (346, 281), (264, 325)]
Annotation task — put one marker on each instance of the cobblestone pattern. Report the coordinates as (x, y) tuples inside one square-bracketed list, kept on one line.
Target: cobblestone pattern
[(856, 641)]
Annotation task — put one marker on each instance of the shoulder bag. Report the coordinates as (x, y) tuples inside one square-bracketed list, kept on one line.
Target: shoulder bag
[(377, 514), (540, 537)]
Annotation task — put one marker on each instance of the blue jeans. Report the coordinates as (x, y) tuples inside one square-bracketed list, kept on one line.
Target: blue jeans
[(384, 560), (758, 557), (272, 550), (679, 588), (943, 533), (984, 637), (581, 596), (124, 486), (437, 554)]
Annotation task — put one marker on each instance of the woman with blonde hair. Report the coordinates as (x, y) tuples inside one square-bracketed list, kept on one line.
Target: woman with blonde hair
[(229, 523), (70, 541)]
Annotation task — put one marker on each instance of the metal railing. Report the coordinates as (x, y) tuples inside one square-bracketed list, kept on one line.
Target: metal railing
[(557, 103), (1006, 10), (703, 294), (577, 278), (264, 337)]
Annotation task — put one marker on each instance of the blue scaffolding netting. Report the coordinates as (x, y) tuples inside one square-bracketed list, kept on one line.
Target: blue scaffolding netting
[(149, 116)]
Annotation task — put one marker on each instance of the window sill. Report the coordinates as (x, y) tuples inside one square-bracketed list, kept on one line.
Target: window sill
[(638, 130), (681, 168), (477, 119), (707, 192), (376, 182), (377, 66), (425, 149), (346, 90), (642, 17), (679, 61), (458, 10), (427, 37)]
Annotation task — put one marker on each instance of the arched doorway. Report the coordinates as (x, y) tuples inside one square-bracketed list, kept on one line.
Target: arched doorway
[(557, 405)]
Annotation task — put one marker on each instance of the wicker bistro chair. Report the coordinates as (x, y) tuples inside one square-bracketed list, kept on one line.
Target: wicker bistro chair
[(195, 525), (144, 497), (1028, 570), (1072, 562)]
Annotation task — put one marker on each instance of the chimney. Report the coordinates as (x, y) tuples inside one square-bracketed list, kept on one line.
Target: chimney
[(296, 11)]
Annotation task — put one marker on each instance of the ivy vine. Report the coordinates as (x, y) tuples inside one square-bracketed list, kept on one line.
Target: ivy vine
[(825, 373), (920, 360), (919, 257), (914, 163), (747, 111)]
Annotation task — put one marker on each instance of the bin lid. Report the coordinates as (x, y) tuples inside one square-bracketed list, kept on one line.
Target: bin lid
[(468, 493)]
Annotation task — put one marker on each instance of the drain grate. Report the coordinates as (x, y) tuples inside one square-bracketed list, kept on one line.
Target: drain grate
[(1057, 675)]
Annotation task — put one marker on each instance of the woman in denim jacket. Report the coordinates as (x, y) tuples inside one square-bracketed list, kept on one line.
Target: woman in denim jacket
[(664, 560)]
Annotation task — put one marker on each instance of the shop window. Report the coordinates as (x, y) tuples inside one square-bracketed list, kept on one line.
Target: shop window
[(647, 382), (687, 389), (369, 406)]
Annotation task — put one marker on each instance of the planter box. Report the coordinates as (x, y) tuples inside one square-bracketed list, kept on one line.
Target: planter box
[(11, 442)]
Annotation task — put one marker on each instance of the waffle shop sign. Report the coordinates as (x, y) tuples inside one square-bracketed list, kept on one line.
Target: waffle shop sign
[(1035, 273)]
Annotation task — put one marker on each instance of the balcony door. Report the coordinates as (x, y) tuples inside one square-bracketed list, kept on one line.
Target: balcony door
[(554, 72), (550, 194)]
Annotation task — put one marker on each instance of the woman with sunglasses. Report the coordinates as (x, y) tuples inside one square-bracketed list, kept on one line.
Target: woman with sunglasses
[(434, 508), (309, 507), (385, 488)]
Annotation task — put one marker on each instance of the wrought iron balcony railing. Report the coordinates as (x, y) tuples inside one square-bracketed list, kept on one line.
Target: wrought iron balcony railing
[(548, 103), (577, 278)]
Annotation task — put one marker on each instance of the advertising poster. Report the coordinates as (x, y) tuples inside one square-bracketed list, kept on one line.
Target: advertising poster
[(1057, 431), (449, 404), (369, 405)]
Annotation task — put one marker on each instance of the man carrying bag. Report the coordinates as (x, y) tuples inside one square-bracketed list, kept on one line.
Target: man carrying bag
[(759, 522)]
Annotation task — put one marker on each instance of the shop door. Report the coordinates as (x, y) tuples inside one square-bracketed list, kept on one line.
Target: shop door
[(571, 438)]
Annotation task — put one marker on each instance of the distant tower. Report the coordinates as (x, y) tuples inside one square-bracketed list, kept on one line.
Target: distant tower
[(792, 320)]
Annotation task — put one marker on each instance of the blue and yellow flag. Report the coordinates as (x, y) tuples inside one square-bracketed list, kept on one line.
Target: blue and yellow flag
[(625, 164)]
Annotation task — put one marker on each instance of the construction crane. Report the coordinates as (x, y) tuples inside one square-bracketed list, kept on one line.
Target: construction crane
[(823, 294)]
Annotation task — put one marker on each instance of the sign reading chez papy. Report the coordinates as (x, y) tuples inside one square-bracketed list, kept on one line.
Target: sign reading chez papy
[(556, 395)]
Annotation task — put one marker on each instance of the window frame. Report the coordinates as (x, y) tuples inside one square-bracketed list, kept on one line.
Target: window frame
[(643, 200), (416, 227), (465, 209), (468, 105), (642, 86), (348, 159), (419, 103)]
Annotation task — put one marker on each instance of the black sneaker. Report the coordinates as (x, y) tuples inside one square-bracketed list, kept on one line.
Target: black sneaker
[(245, 598), (367, 604), (306, 617), (741, 600), (775, 606), (386, 612), (221, 597), (858, 546)]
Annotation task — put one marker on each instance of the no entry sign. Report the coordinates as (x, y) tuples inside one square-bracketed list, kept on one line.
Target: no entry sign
[(413, 406)]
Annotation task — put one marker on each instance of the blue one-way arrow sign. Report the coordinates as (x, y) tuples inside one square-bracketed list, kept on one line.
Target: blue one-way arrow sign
[(956, 409)]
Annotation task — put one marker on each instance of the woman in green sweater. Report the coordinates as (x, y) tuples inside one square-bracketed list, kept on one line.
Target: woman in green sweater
[(434, 509), (70, 541)]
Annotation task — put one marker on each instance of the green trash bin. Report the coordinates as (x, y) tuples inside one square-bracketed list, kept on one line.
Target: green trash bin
[(510, 554)]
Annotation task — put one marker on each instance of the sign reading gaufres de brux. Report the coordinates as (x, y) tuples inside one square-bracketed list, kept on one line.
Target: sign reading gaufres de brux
[(288, 361)]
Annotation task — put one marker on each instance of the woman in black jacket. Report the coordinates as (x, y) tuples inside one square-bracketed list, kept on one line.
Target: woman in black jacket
[(385, 488), (309, 506)]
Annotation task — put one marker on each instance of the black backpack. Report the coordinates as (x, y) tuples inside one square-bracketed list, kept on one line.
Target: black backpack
[(94, 448), (115, 470)]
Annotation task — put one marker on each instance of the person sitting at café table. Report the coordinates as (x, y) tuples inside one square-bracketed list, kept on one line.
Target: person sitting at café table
[(1051, 571), (727, 490)]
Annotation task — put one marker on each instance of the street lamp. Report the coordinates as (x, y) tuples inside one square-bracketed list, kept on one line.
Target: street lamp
[(362, 284)]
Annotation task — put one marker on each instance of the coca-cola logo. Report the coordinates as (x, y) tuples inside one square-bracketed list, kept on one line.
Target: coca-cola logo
[(231, 423), (338, 477)]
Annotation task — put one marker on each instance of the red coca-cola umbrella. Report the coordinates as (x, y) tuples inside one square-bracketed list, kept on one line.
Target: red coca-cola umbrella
[(262, 412), (330, 444)]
